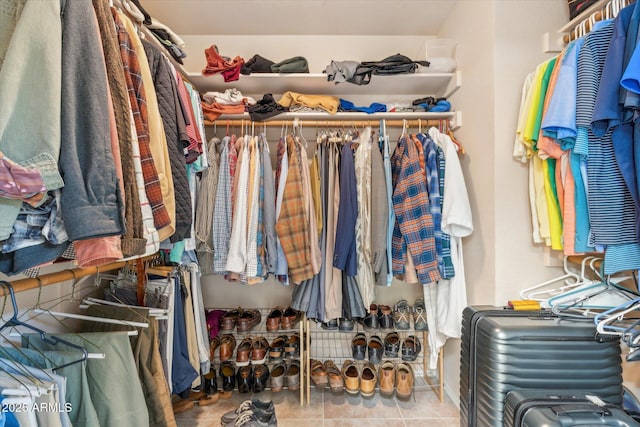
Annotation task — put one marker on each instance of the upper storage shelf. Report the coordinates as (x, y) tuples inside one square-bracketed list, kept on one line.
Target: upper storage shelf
[(434, 84)]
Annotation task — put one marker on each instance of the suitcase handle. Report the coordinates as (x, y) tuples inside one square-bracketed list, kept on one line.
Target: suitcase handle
[(560, 410)]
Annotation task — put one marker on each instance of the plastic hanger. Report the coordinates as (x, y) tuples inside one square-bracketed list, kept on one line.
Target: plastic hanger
[(49, 339), (568, 278), (604, 321)]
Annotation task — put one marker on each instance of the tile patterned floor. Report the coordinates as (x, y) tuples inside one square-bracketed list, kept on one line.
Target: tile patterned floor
[(337, 410)]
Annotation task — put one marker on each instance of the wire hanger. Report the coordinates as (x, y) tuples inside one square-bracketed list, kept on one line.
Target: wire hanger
[(49, 339)]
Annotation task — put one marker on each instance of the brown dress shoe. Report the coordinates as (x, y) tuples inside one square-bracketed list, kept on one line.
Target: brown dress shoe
[(336, 382), (318, 373), (276, 349), (290, 318), (248, 319), (243, 351), (229, 318), (227, 346), (214, 343), (387, 377), (259, 349), (368, 379), (274, 318), (351, 375), (404, 380)]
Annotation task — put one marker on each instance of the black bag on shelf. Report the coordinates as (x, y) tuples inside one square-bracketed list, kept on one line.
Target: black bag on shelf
[(576, 7)]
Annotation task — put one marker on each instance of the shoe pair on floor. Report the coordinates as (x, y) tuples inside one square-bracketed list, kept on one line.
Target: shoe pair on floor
[(392, 377), (251, 413)]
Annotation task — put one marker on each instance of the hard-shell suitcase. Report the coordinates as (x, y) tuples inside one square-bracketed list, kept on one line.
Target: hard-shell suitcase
[(504, 350), (560, 408)]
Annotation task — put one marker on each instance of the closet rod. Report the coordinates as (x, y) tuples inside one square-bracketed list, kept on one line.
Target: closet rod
[(335, 123), (26, 284)]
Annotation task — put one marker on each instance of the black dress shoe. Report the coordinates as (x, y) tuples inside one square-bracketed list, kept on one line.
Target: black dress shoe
[(391, 344), (411, 347), (260, 378), (370, 321), (211, 382), (244, 378), (359, 346), (346, 325), (375, 349), (331, 325), (228, 374)]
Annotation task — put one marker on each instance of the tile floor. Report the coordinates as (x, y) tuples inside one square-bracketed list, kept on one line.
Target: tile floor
[(327, 409)]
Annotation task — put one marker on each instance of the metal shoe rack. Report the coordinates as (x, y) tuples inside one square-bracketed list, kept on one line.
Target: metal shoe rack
[(261, 330), (324, 344)]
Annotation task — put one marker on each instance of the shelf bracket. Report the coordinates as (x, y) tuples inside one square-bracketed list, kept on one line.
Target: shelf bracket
[(553, 42)]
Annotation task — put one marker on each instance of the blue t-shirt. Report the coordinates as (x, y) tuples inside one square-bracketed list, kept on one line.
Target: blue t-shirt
[(559, 121)]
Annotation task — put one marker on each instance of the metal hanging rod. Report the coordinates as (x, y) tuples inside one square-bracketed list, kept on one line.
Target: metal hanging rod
[(22, 285), (335, 123)]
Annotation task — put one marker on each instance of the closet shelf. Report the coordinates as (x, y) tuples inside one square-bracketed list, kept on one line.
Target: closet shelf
[(422, 84)]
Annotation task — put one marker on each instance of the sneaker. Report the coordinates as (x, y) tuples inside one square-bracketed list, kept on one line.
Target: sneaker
[(251, 419), (257, 406), (401, 314), (420, 316)]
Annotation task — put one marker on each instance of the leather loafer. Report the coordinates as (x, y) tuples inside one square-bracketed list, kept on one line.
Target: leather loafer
[(277, 377), (274, 318), (387, 378), (229, 319), (336, 382), (228, 374), (276, 349), (210, 382), (375, 348), (370, 322), (351, 375), (259, 350), (331, 325), (385, 318), (244, 379), (292, 378), (392, 344), (227, 347), (248, 319), (404, 380), (368, 380), (290, 318), (292, 347), (214, 343), (359, 346), (346, 325), (243, 351), (260, 378), (411, 348), (318, 373)]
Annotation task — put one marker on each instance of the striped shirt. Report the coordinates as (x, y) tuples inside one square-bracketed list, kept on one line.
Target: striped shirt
[(612, 210), (414, 223)]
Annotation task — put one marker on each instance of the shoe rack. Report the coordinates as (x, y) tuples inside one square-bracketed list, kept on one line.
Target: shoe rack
[(260, 330), (325, 344)]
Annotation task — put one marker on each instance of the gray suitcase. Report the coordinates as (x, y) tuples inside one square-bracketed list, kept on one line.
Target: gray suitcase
[(504, 350), (536, 408)]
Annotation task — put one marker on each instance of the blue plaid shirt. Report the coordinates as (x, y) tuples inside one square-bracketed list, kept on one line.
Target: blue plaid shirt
[(435, 185)]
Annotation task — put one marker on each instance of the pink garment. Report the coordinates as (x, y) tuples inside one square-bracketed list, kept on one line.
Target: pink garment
[(20, 183), (98, 251)]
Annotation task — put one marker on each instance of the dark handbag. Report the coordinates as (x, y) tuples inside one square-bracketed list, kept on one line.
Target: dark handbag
[(395, 64), (576, 7)]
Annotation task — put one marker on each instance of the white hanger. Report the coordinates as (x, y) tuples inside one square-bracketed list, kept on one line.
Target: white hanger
[(568, 278), (91, 318), (97, 301)]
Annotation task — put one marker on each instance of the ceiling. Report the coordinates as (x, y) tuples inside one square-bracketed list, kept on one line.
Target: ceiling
[(291, 17)]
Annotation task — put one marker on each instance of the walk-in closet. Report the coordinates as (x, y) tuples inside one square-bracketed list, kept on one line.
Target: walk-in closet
[(317, 212)]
